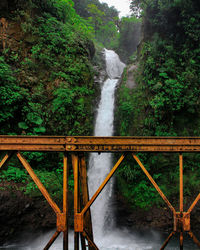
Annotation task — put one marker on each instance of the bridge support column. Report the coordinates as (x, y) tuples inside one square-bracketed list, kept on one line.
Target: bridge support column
[(82, 222), (77, 146), (181, 219), (65, 200), (62, 217)]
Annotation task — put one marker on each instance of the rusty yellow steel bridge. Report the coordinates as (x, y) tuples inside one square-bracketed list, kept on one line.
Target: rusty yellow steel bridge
[(74, 149)]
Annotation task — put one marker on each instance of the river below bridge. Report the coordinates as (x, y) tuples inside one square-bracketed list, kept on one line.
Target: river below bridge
[(115, 240)]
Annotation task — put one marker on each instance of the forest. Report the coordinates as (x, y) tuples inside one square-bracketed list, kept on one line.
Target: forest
[(166, 100), (50, 52)]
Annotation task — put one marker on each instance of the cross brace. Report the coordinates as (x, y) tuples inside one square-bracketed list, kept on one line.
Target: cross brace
[(77, 146)]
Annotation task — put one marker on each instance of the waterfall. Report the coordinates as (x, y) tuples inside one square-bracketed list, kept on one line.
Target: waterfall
[(100, 165)]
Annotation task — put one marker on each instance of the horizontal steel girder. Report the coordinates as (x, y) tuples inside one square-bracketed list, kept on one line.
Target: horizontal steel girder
[(99, 144)]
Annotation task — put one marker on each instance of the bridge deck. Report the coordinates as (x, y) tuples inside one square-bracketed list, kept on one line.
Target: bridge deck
[(99, 144)]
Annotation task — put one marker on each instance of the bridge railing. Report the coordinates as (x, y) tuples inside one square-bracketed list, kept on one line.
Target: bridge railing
[(76, 147)]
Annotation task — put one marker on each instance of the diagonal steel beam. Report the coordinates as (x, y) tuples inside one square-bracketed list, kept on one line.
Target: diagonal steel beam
[(194, 203), (91, 242), (154, 183), (90, 202), (167, 240), (53, 238), (196, 241), (38, 183), (6, 158)]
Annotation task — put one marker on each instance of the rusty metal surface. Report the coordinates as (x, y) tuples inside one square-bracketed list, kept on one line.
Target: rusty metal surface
[(6, 159), (61, 222), (181, 182), (196, 241), (167, 240), (50, 243), (100, 144), (99, 190), (77, 146), (181, 222), (136, 144), (78, 222), (38, 183), (65, 201), (32, 143), (194, 203), (94, 246), (154, 183), (181, 219), (85, 197)]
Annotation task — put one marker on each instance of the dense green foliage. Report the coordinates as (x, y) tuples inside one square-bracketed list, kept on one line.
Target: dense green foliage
[(46, 80), (166, 100), (112, 32), (47, 85), (103, 19), (46, 75), (51, 87), (52, 180), (169, 66), (10, 97)]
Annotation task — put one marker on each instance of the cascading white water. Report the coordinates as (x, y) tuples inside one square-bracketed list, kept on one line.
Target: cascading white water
[(100, 164), (99, 167)]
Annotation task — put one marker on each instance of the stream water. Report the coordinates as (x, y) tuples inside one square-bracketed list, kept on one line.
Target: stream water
[(106, 236), (115, 240)]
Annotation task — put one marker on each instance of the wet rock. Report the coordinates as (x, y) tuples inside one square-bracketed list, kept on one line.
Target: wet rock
[(130, 82)]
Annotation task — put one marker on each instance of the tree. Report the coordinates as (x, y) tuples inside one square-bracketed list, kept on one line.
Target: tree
[(96, 16)]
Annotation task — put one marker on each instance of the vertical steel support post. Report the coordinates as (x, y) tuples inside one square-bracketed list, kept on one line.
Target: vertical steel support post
[(181, 199), (80, 201), (181, 181), (83, 188), (65, 199), (76, 197), (85, 197)]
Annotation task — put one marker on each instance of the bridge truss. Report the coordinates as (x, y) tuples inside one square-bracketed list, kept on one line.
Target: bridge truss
[(74, 149)]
